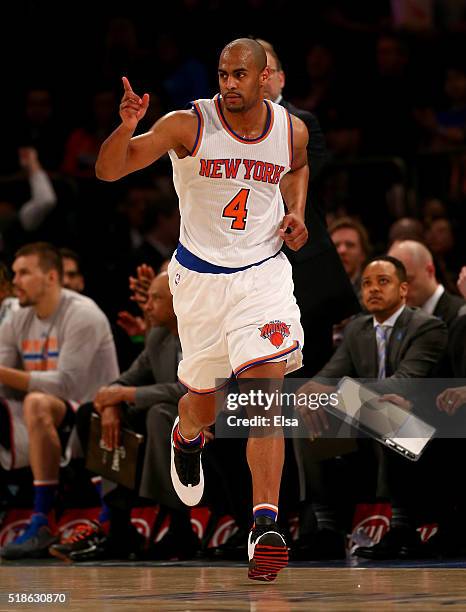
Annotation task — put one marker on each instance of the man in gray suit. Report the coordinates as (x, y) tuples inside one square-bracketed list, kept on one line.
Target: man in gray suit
[(393, 343), (145, 399)]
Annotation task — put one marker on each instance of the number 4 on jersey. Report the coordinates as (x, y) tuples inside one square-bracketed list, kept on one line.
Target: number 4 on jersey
[(236, 210)]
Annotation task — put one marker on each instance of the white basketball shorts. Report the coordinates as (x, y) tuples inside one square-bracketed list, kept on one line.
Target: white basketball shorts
[(229, 323)]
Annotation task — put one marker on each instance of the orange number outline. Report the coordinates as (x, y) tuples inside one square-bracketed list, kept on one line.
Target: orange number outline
[(236, 209)]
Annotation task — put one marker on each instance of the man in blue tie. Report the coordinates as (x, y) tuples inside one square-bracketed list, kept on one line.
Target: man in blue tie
[(392, 341)]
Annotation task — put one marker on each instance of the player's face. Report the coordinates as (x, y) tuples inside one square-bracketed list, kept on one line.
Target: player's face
[(30, 282), (382, 291), (241, 82), (159, 305), (276, 80)]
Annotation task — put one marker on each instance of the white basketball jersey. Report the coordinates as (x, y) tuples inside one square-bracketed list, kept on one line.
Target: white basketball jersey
[(228, 187)]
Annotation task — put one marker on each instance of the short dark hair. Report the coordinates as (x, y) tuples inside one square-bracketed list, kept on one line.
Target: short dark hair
[(49, 256), (399, 266), (67, 253), (5, 277)]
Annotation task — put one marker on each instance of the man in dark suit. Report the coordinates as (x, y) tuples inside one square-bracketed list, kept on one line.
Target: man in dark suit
[(144, 399), (322, 288), (424, 290), (391, 342)]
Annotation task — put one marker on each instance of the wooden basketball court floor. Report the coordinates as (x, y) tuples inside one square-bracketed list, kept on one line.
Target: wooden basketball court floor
[(202, 586)]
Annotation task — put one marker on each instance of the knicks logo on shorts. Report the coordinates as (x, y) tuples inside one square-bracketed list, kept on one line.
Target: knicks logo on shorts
[(275, 331)]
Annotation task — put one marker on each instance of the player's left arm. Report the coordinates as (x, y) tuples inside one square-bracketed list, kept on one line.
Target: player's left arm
[(293, 187)]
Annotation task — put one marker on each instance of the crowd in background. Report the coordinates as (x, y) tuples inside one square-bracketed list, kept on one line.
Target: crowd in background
[(388, 87)]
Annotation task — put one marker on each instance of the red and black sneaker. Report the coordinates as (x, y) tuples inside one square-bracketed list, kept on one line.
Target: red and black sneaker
[(267, 550), (83, 536)]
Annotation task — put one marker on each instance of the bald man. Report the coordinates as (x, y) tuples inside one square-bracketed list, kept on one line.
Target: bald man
[(424, 290), (233, 157)]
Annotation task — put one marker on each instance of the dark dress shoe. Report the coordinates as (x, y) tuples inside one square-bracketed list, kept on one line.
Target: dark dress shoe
[(322, 545), (234, 549), (397, 543)]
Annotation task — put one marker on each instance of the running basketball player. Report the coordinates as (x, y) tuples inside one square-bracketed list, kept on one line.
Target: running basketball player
[(233, 158)]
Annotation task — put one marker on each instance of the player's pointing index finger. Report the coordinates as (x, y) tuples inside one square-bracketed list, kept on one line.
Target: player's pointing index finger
[(126, 84)]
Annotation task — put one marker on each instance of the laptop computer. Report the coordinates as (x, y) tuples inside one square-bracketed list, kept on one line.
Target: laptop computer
[(392, 425)]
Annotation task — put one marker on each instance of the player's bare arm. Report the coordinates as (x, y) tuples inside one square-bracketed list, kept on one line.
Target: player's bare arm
[(122, 153), (293, 187)]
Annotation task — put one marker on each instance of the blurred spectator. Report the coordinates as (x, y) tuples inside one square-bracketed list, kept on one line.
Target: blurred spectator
[(41, 127), (445, 129), (83, 143), (406, 228), (17, 219), (122, 53), (451, 15), (320, 70), (415, 15), (388, 100), (55, 351), (137, 326), (43, 197), (433, 208), (129, 225), (424, 291), (351, 240), (461, 282), (357, 18), (441, 241), (185, 77), (72, 276), (8, 303), (325, 97), (162, 229)]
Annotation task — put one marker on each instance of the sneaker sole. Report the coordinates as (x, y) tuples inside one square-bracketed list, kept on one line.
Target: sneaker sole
[(190, 496), (59, 555), (267, 562)]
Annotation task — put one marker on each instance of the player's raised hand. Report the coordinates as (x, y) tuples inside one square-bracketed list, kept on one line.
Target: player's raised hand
[(132, 107), (293, 231)]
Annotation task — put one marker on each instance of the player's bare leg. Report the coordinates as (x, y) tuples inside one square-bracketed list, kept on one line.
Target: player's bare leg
[(195, 413), (267, 549), (42, 414)]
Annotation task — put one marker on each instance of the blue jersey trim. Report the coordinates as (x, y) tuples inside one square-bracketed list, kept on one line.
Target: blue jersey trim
[(192, 262)]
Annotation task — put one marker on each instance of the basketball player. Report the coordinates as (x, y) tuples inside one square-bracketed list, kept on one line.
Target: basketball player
[(233, 157)]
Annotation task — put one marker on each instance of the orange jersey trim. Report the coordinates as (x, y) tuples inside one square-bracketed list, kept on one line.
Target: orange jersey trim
[(200, 129), (202, 391), (265, 358), (223, 121), (290, 137)]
